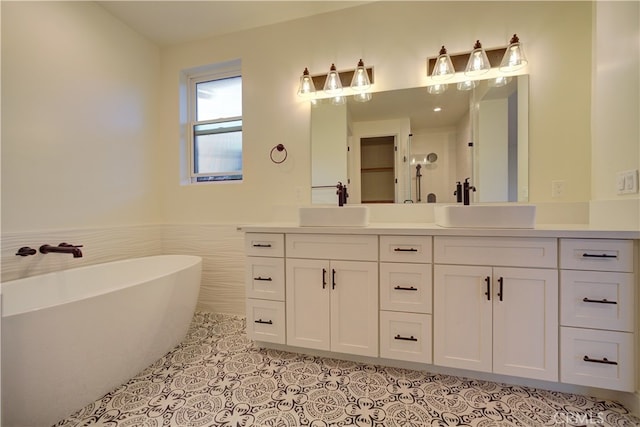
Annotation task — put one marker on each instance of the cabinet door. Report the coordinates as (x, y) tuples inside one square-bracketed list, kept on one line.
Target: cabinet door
[(462, 317), (354, 307), (525, 322), (307, 307)]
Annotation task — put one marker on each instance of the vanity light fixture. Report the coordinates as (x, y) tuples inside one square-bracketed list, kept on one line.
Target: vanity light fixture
[(360, 81), (306, 84), (478, 63), (338, 100), (514, 58), (333, 85), (499, 81), (443, 69), (467, 85), (437, 88), (362, 97), (437, 109)]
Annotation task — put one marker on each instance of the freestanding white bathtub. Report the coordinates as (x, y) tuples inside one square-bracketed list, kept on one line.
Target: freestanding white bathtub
[(71, 336)]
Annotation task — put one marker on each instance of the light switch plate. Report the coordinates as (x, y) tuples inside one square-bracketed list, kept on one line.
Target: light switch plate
[(627, 181)]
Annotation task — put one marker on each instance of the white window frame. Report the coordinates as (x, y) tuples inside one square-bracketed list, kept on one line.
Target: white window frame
[(193, 77)]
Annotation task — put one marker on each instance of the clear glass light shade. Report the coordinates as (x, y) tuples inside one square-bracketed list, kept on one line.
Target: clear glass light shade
[(478, 62), (306, 84), (362, 97), (360, 80), (467, 85), (513, 58), (499, 81), (444, 67), (436, 89), (333, 85), (338, 100)]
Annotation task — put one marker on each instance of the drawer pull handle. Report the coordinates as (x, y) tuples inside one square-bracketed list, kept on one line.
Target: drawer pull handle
[(488, 293), (268, 322), (262, 245), (405, 250), (599, 301), (500, 292), (324, 278), (333, 278), (586, 255), (263, 279), (402, 288), (411, 338), (603, 360)]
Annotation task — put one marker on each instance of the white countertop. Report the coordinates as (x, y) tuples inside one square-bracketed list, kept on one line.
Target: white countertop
[(431, 229)]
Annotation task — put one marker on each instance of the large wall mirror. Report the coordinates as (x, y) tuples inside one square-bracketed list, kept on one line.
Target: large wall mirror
[(409, 146)]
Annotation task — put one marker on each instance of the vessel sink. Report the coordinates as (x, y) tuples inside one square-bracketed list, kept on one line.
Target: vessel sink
[(334, 216), (486, 216)]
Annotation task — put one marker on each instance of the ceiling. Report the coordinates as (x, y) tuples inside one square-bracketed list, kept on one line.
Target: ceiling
[(169, 23)]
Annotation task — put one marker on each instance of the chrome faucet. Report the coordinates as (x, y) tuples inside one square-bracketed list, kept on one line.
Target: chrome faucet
[(342, 194), (466, 189), (63, 248)]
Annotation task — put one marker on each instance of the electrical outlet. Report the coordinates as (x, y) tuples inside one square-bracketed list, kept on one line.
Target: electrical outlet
[(557, 188)]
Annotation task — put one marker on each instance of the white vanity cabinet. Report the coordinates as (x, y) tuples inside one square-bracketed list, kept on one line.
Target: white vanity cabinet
[(332, 292), (264, 286), (597, 313), (406, 298), (496, 305)]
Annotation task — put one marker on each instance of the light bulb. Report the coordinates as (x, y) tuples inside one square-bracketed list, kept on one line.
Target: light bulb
[(306, 84), (478, 62), (360, 80), (513, 58), (333, 85), (443, 69)]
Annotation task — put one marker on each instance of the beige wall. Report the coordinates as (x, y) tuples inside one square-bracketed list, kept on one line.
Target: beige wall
[(79, 119), (90, 118), (273, 58), (615, 143)]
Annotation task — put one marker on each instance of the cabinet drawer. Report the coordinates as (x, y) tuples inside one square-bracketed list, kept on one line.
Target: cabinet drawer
[(405, 287), (596, 254), (266, 321), (406, 249), (264, 278), (596, 299), (333, 246), (264, 244), (405, 336), (497, 251), (597, 358)]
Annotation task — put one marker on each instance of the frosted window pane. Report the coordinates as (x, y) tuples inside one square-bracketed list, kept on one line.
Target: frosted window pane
[(219, 99), (218, 153)]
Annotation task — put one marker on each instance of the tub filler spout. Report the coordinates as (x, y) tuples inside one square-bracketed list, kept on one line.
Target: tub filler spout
[(62, 248)]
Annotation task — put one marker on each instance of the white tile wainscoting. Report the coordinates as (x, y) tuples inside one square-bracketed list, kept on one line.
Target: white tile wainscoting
[(220, 246)]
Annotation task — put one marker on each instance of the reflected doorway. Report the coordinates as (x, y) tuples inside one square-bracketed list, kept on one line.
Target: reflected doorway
[(377, 169)]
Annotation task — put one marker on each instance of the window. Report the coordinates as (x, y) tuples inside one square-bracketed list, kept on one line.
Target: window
[(215, 125)]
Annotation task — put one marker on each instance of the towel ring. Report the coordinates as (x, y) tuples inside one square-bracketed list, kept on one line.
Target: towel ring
[(278, 148)]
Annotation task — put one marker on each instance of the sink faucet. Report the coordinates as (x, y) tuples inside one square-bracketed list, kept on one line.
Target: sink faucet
[(63, 248), (466, 189), (342, 194), (458, 192)]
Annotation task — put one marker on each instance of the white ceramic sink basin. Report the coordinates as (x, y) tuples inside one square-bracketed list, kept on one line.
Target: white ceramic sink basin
[(334, 216), (486, 216)]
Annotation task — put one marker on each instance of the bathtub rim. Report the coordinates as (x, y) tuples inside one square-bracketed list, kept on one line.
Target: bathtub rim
[(6, 310)]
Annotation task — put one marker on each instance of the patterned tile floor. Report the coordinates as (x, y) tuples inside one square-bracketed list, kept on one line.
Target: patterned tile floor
[(216, 377)]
